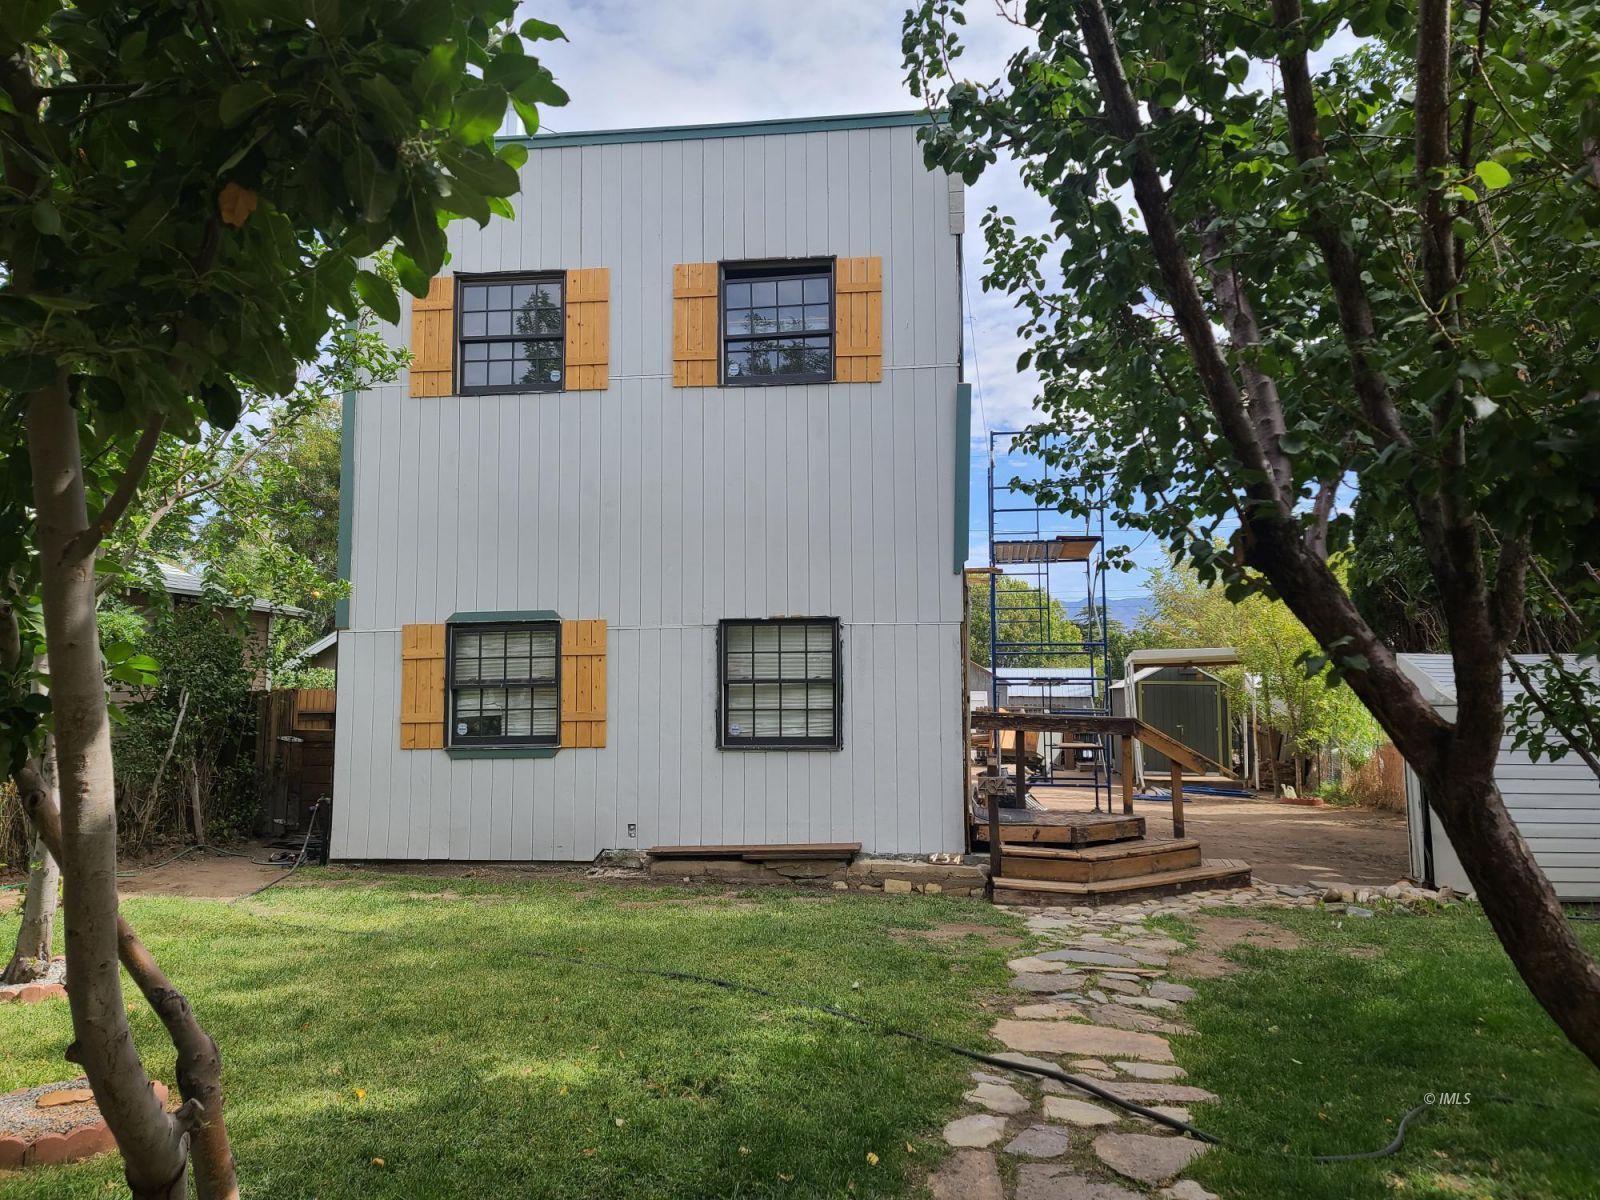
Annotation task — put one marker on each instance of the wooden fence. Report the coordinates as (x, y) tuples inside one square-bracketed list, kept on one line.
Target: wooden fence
[(294, 755)]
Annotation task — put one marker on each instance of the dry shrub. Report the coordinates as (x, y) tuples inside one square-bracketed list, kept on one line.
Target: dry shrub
[(14, 847), (1371, 786)]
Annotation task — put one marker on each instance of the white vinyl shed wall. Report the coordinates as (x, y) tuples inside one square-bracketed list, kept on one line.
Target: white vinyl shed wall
[(1556, 805), (663, 510)]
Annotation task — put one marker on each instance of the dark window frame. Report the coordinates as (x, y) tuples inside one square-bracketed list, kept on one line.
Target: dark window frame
[(754, 270), (463, 340), (728, 741), (451, 685)]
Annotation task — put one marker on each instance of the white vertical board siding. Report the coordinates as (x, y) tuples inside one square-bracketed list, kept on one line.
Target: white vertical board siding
[(664, 510), (1554, 804)]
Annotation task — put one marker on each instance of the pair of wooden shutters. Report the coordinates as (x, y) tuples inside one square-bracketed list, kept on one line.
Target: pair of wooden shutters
[(588, 334), (858, 322), (423, 703)]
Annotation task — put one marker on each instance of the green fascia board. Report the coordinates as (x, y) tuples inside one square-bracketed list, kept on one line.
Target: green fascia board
[(963, 468), (347, 506), (682, 133), (507, 614), (502, 751)]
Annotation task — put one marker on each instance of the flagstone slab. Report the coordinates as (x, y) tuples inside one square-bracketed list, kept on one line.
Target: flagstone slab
[(1042, 1181), (1186, 1189), (1146, 1157), (998, 1097), (1077, 1112), (1149, 1003), (1048, 1011), (1142, 1093), (1178, 993), (976, 1132), (1121, 1017), (1069, 1037), (1027, 1060), (967, 1175), (1044, 985), (1153, 1071), (1034, 964), (1039, 1141), (1090, 958)]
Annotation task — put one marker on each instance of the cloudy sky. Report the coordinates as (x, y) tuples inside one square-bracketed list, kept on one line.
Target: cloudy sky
[(631, 63)]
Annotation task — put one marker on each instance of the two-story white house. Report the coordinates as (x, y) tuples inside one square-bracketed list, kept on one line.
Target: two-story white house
[(660, 539)]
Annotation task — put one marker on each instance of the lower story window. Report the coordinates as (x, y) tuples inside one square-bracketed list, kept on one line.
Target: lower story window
[(781, 683), (505, 684)]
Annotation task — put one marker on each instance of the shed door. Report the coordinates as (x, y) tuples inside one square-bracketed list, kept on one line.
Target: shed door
[(1194, 713)]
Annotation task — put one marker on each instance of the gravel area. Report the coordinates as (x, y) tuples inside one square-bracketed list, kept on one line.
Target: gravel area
[(21, 1116)]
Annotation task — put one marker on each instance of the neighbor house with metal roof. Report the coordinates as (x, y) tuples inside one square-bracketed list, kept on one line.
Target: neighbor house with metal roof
[(659, 540)]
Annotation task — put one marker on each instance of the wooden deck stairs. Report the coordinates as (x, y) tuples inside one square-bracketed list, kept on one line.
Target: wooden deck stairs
[(1040, 855)]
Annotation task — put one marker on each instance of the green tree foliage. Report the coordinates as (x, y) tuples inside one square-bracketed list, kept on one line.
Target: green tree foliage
[(191, 197), (1027, 614), (1273, 277), (1314, 710), (185, 767)]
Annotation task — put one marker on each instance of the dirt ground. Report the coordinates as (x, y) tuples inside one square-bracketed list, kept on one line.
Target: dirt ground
[(204, 875), (1284, 843)]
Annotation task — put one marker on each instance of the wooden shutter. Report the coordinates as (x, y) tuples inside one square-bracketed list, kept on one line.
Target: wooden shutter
[(583, 684), (433, 339), (588, 329), (422, 687), (858, 304), (694, 325)]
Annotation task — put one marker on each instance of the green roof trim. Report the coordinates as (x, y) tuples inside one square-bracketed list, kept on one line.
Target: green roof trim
[(683, 133), (347, 504), (502, 751), (963, 479), (503, 614)]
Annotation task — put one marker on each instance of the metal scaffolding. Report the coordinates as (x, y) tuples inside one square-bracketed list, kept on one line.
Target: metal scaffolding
[(1048, 643)]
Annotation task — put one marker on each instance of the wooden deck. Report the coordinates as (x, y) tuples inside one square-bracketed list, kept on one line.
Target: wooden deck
[(1091, 857), (1043, 827)]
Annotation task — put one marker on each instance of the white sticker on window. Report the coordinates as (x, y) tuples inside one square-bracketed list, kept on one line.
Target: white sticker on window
[(461, 729), (735, 729)]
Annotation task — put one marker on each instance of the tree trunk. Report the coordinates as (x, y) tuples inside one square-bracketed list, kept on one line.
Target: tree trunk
[(154, 1148), (1518, 900), (1456, 761), (31, 958)]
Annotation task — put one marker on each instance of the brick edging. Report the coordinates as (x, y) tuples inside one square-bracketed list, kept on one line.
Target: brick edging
[(53, 1149)]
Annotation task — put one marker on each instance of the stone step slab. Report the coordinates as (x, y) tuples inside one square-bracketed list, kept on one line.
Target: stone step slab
[(975, 1132), (1043, 1181), (1146, 1157), (1039, 1141), (998, 1098), (1077, 1112), (1178, 993), (1152, 1071), (1067, 1037), (1141, 1092)]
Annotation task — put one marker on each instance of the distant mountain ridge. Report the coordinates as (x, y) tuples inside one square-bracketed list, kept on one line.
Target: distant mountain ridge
[(1128, 611)]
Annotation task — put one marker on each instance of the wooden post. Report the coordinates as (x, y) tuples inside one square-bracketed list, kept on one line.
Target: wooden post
[(1126, 765), (1177, 801), (994, 840), (1022, 769)]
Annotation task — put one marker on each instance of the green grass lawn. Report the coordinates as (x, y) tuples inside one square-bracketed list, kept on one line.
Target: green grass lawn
[(1320, 1051), (439, 1045)]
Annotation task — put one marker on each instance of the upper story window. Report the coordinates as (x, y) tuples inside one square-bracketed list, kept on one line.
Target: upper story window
[(777, 323), (504, 684), (512, 334)]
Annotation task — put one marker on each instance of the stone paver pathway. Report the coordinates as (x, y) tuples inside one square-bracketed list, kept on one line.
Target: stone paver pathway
[(1096, 1002)]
